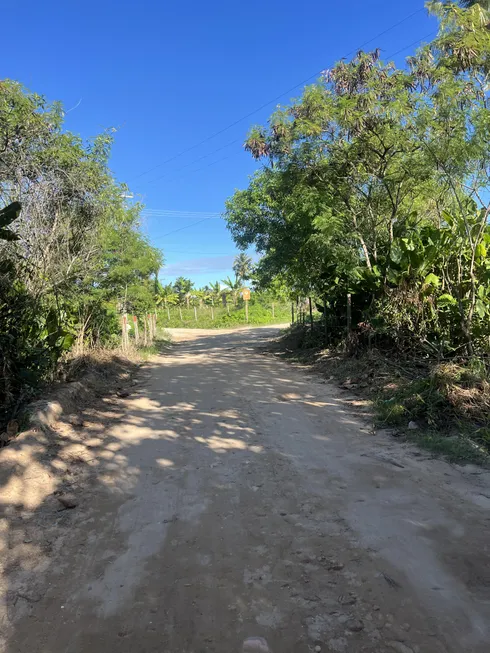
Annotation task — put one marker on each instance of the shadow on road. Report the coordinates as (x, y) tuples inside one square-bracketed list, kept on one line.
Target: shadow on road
[(175, 544)]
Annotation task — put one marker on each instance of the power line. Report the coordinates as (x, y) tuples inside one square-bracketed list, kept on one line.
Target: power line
[(391, 55), (165, 174), (178, 211), (186, 227), (209, 165), (193, 252), (180, 215), (278, 97)]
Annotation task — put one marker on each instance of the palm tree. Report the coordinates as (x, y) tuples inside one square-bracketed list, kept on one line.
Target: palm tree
[(183, 287), (242, 266), (233, 287)]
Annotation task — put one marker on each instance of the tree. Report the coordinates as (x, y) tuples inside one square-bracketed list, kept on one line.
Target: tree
[(75, 257), (183, 288), (375, 183), (242, 266)]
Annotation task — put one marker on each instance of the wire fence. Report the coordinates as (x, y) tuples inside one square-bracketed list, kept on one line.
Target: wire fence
[(208, 316)]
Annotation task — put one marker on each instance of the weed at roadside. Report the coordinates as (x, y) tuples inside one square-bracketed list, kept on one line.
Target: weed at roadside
[(447, 403)]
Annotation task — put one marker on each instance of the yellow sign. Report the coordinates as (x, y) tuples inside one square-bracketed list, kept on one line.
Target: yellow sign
[(246, 294)]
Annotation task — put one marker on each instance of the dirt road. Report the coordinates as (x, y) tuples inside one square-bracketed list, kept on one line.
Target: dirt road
[(235, 495)]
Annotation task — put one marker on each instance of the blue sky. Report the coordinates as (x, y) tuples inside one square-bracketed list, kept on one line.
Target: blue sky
[(168, 75)]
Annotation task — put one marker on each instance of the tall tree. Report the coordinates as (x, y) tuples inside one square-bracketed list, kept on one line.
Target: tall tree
[(375, 183), (74, 257), (242, 266)]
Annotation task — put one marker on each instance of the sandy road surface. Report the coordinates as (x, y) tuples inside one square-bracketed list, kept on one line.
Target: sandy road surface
[(234, 495)]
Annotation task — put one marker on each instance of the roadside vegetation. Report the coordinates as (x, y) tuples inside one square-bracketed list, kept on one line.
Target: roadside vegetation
[(72, 257), (221, 304), (372, 201)]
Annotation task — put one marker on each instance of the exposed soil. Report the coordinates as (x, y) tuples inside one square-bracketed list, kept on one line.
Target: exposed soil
[(232, 495)]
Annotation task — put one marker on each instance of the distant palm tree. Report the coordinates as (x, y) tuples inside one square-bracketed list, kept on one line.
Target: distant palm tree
[(242, 266)]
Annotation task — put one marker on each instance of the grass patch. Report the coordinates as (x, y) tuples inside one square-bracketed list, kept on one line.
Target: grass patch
[(160, 345), (456, 448), (449, 402), (219, 317)]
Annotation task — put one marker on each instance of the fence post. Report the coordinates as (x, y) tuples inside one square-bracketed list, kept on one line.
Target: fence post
[(150, 328), (292, 313), (273, 315), (168, 313), (212, 312), (145, 332), (136, 330), (349, 313), (124, 331), (325, 319), (195, 313), (180, 311), (311, 313)]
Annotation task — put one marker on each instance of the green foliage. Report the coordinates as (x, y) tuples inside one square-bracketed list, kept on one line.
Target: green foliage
[(242, 266), (218, 317), (233, 288), (76, 260), (375, 183), (484, 4)]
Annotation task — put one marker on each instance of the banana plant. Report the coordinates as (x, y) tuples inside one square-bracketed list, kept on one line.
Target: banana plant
[(233, 288), (215, 292)]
